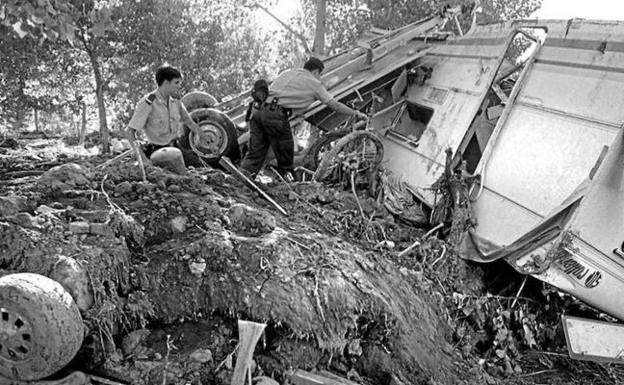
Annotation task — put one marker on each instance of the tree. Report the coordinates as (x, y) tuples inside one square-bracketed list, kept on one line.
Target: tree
[(319, 30)]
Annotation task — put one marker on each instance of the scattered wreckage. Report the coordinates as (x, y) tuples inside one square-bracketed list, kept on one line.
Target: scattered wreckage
[(529, 111)]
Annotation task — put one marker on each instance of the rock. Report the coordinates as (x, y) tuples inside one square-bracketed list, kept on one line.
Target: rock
[(123, 188), (178, 224), (197, 268), (201, 355), (68, 175), (169, 158), (99, 229), (79, 227), (354, 348), (11, 205), (249, 221), (24, 220), (118, 145), (174, 188), (133, 340), (262, 380), (73, 277), (157, 356)]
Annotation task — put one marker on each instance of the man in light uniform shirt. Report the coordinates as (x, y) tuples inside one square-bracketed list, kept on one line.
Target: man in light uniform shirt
[(161, 116)]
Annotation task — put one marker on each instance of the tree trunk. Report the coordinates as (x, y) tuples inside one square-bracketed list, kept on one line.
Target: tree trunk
[(83, 126), (319, 34), (36, 120), (91, 49)]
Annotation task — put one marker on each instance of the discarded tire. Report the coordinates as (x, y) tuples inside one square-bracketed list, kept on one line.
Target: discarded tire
[(198, 99), (219, 137), (344, 145), (40, 327)]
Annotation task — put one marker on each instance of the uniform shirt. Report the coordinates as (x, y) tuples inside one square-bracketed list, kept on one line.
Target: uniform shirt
[(161, 124), (297, 89)]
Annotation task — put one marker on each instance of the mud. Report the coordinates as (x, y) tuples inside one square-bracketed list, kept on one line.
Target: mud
[(172, 262)]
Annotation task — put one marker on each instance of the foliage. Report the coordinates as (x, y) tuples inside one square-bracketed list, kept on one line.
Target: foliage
[(58, 54), (40, 19)]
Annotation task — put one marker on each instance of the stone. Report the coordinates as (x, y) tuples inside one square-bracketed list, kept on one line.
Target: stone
[(68, 175), (249, 221), (197, 268), (79, 227), (73, 277), (169, 158), (123, 188), (262, 380), (99, 229), (133, 340), (11, 205), (201, 355), (178, 224), (354, 348), (24, 220)]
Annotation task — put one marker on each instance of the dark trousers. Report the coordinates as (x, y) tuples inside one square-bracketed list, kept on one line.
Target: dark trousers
[(269, 128)]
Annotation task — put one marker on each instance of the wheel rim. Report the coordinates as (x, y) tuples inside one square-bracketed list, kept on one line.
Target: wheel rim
[(212, 143), (15, 336)]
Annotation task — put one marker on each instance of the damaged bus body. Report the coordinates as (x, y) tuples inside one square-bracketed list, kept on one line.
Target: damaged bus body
[(533, 110)]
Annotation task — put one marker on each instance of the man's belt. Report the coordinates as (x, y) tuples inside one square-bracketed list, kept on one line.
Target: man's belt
[(273, 105)]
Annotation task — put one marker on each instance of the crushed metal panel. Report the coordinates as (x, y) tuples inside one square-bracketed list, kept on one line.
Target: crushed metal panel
[(594, 340), (463, 70), (552, 136), (592, 253), (539, 159)]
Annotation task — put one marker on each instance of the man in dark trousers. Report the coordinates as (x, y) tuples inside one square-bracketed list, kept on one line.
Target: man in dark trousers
[(290, 94), (160, 115)]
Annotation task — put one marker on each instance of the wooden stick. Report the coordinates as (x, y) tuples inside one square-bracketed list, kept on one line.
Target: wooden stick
[(248, 335), (519, 291), (227, 164), (416, 243), (111, 161)]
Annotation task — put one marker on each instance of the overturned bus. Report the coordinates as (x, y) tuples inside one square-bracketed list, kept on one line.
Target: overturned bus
[(532, 109)]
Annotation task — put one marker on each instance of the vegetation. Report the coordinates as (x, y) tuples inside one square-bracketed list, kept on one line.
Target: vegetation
[(67, 61)]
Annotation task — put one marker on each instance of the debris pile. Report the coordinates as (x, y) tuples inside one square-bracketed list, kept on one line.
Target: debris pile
[(162, 270)]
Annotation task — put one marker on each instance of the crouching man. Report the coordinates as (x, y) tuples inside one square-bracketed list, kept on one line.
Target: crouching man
[(160, 115)]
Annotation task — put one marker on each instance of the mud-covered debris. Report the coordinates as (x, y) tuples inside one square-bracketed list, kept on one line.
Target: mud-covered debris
[(133, 340), (123, 188), (11, 205), (197, 267), (99, 229), (24, 220), (73, 277), (79, 227), (250, 221), (262, 380), (65, 176), (201, 355), (178, 224), (9, 143), (354, 348)]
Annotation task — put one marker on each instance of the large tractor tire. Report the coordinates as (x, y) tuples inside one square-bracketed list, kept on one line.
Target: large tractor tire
[(219, 139), (198, 99), (40, 327)]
